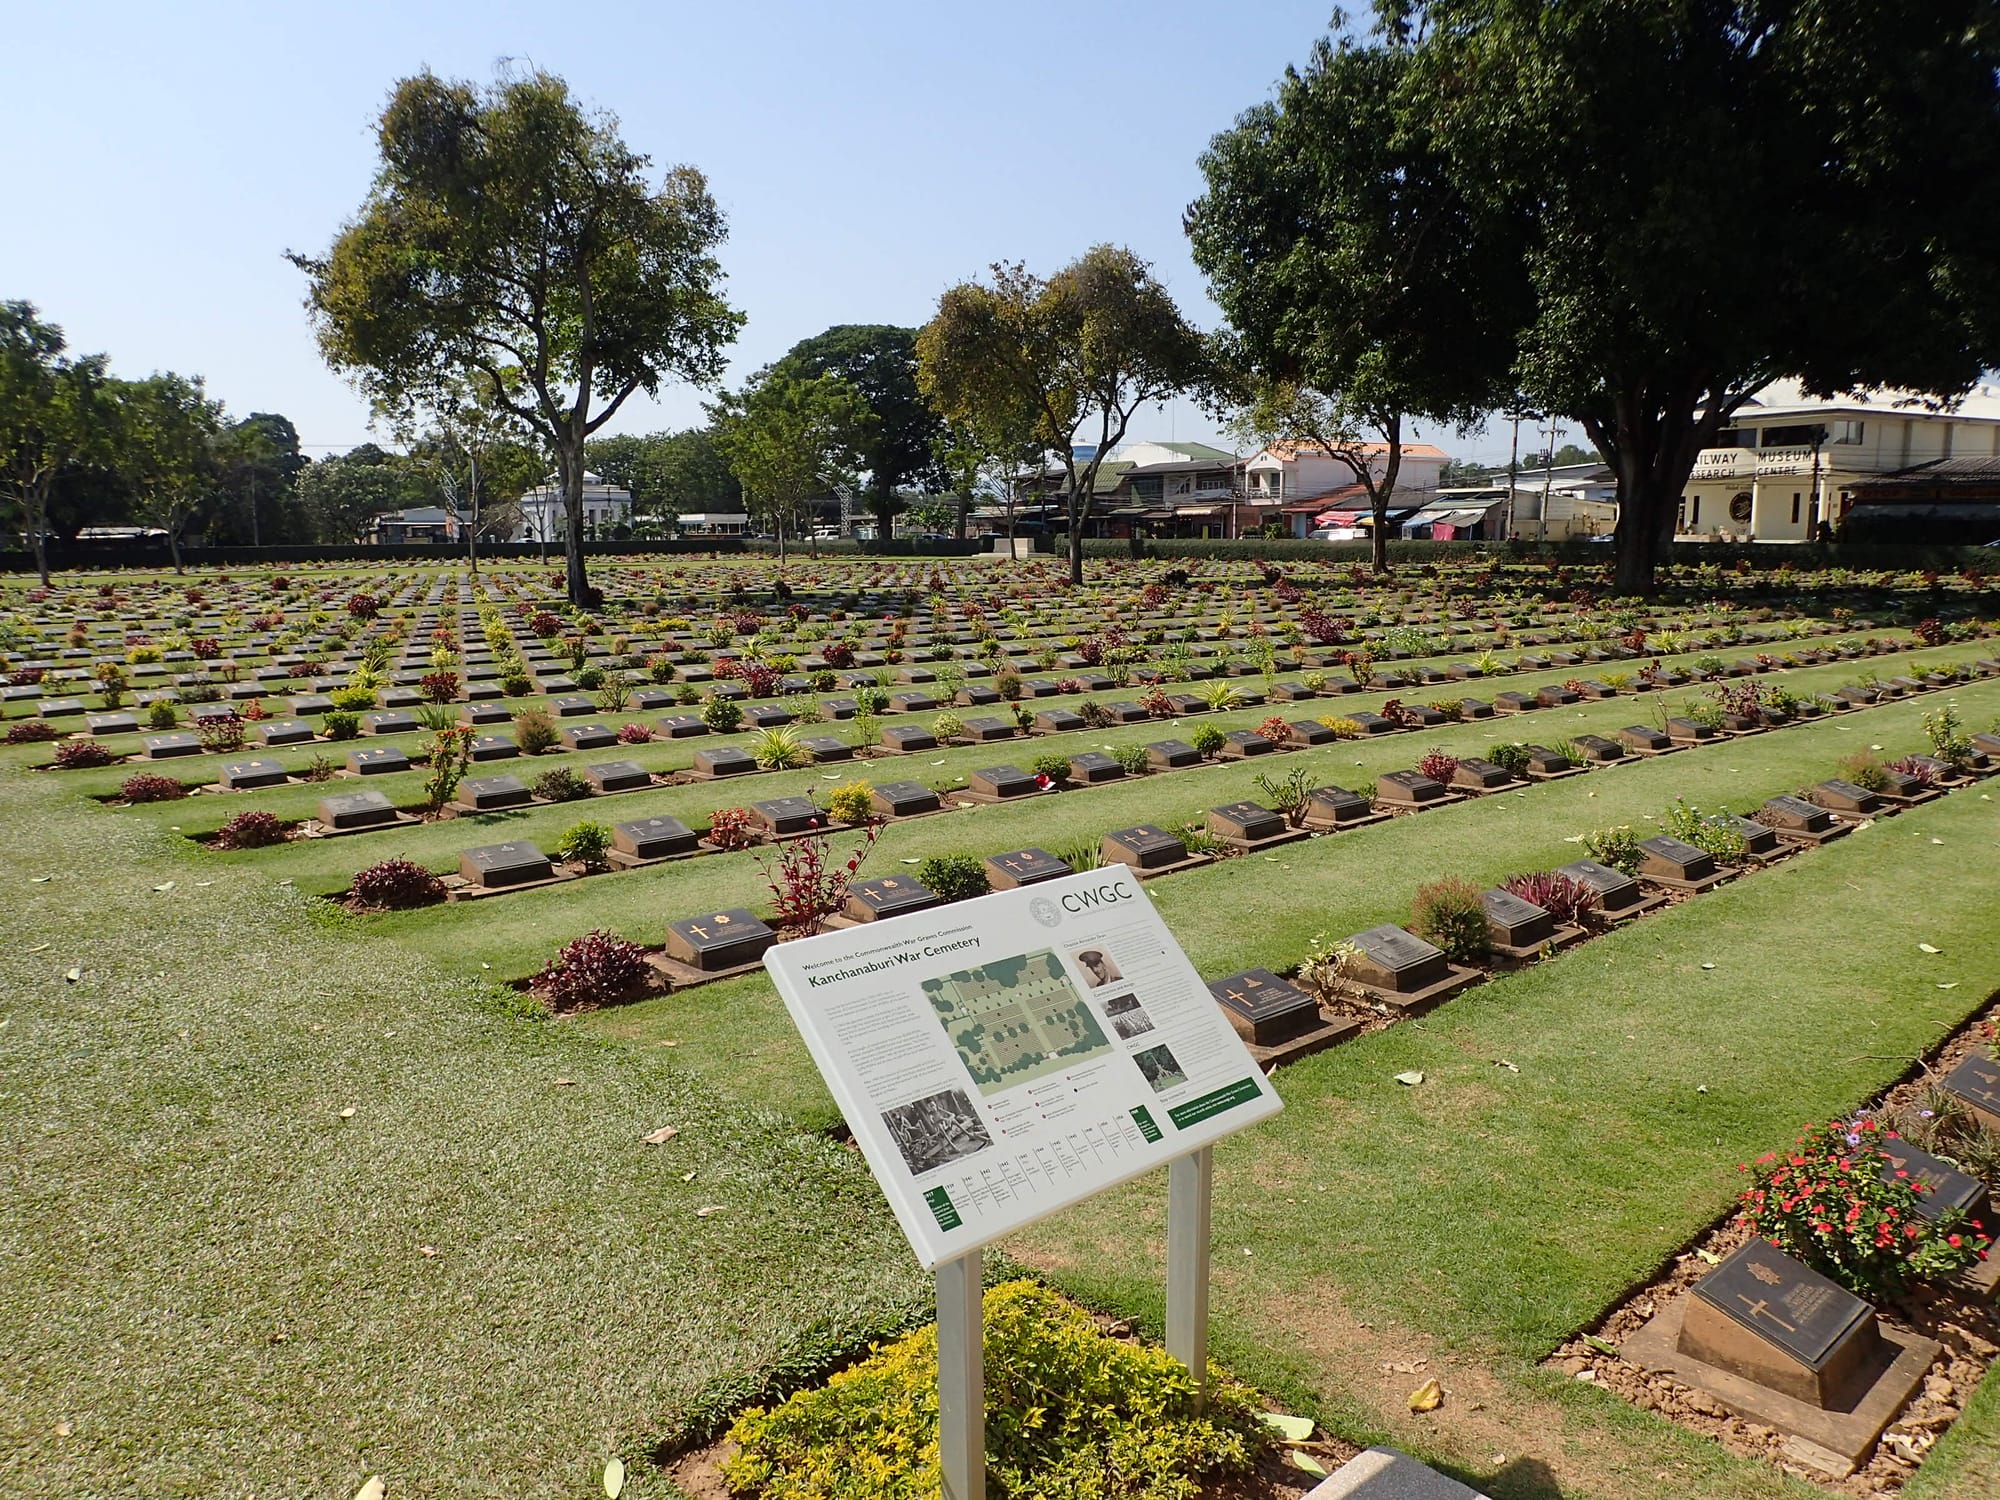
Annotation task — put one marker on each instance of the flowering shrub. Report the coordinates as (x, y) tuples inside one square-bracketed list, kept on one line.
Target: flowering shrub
[(364, 606), (1569, 901), (438, 687), (594, 969), (82, 755), (32, 732), (251, 830), (206, 649), (1829, 1203), (1949, 742), (544, 624), (1715, 832), (1343, 727), (1108, 1418), (396, 885), (1052, 764), (150, 787), (1617, 847), (721, 715), (729, 828), (1450, 916), (1930, 631), (1438, 765), (1276, 730)]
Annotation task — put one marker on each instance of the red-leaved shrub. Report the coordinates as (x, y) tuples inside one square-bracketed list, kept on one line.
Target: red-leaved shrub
[(1569, 901), (594, 969), (82, 755), (32, 732), (149, 786), (396, 885), (251, 830)]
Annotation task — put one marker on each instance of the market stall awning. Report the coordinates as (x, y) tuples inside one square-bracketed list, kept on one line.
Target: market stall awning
[(1338, 517)]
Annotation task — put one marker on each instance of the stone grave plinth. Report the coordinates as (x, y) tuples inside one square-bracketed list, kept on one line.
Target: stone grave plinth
[(1171, 755), (170, 746), (480, 716), (1975, 1083), (501, 867), (707, 947), (643, 841), (1373, 723), (1019, 867), (1514, 703), (998, 784), (786, 817), (1058, 721), (986, 728), (389, 721), (101, 725), (721, 760), (609, 776), (1780, 1345), (486, 747), (1093, 766), (1674, 865), (1620, 897), (354, 812), (1149, 850), (1598, 750), (1905, 790), (825, 748), (1411, 791), (1250, 826), (1689, 732), (275, 732), (1545, 764), (1277, 1020), (572, 706), (887, 896), (1330, 808), (1519, 930), (1848, 802), (1241, 744), (1797, 821), (1399, 969), (904, 739), (1760, 842), (1482, 777), (766, 716), (382, 760), (245, 775), (587, 737), (1475, 708), (1643, 739), (681, 726), (903, 799), (1309, 732), (491, 793)]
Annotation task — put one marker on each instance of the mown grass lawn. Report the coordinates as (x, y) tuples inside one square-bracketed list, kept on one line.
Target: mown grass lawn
[(216, 1284)]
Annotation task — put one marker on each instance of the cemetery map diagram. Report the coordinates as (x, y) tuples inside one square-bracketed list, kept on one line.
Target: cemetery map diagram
[(1015, 1020)]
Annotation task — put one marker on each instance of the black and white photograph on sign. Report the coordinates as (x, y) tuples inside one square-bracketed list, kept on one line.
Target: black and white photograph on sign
[(1160, 1068), (1096, 963), (1127, 1018), (937, 1131), (1015, 1019)]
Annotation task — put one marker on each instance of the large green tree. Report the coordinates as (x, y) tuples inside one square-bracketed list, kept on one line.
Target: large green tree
[(669, 471), (260, 461), (880, 362), (1068, 359), (790, 439), (1363, 289), (342, 492), (167, 446), (512, 234), (55, 416), (1715, 193)]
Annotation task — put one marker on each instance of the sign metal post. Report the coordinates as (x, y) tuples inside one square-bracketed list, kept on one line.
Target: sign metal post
[(1190, 1184), (962, 1377)]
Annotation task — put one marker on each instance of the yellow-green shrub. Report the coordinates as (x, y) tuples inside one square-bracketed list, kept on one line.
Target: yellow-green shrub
[(1069, 1411)]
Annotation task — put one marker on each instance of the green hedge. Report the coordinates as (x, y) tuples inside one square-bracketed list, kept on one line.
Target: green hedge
[(1803, 556)]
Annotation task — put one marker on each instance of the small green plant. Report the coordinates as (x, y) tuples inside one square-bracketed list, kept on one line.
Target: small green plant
[(1865, 769), (450, 753), (1288, 794), (1052, 764), (1449, 915), (252, 830), (1328, 966), (1714, 832), (1617, 847), (560, 784), (535, 731), (851, 802), (614, 694), (339, 724), (947, 727), (395, 885), (1511, 758), (778, 748), (1343, 728), (585, 844), (595, 969), (1080, 854), (722, 715), (1220, 695), (1949, 741), (955, 877), (160, 714), (352, 698), (1207, 740), (1131, 759)]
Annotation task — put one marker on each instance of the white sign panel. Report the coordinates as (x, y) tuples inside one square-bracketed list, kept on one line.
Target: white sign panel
[(1003, 1058)]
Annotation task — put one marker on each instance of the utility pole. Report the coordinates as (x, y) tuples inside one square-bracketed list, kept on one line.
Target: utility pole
[(1513, 473), (1548, 478)]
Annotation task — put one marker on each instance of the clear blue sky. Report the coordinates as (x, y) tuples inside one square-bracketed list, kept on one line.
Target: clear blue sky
[(162, 157)]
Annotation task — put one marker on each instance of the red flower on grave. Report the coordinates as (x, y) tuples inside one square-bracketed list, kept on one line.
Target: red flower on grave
[(1953, 1240)]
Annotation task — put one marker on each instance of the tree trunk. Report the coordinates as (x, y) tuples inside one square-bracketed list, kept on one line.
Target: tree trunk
[(781, 536), (174, 546), (958, 518), (1378, 500), (38, 519), (569, 463), (1644, 537), (1075, 544), (472, 531)]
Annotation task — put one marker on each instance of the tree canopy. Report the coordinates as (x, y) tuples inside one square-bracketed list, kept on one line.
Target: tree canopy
[(879, 362), (53, 417), (1362, 288), (788, 439), (1066, 360), (512, 234), (668, 472), (1715, 193)]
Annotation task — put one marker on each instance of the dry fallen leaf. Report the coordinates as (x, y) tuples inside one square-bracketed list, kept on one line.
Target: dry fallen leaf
[(1427, 1397), (427, 1251), (372, 1489), (169, 885), (565, 1083), (73, 976), (63, 1429), (687, 1177), (713, 1208), (661, 1136), (347, 1113), (1927, 948), (1410, 1079), (1305, 1463), (614, 1478), (1709, 1256)]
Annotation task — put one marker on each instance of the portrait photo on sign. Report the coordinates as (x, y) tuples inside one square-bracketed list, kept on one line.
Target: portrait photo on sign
[(1097, 966), (1160, 1068), (937, 1130), (1127, 1018)]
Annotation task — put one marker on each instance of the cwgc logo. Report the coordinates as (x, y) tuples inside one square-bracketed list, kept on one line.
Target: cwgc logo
[(1045, 911)]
